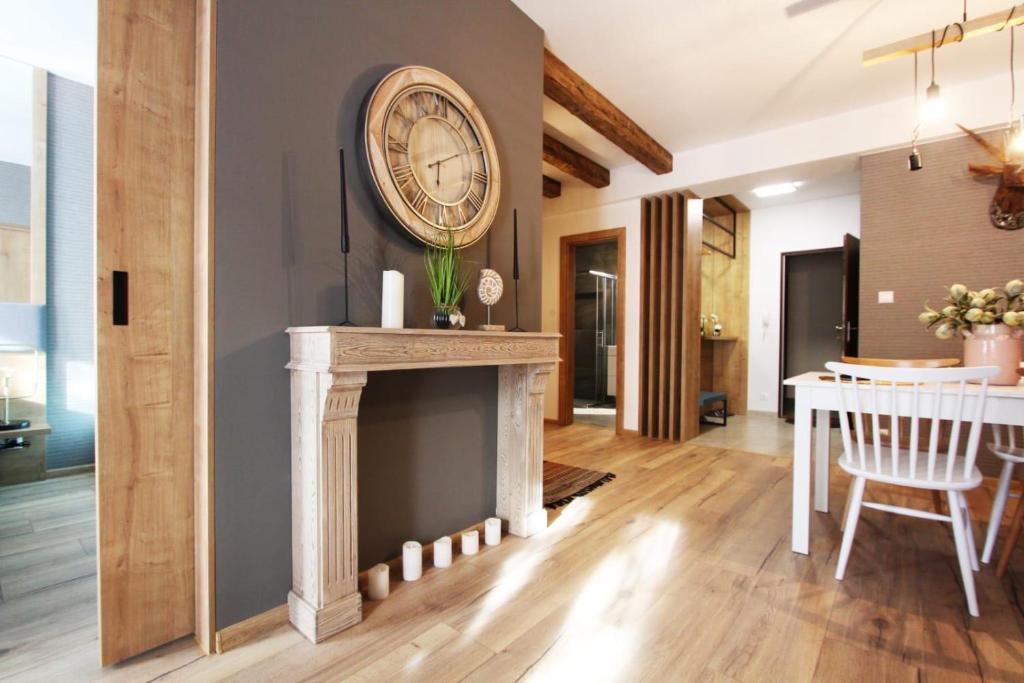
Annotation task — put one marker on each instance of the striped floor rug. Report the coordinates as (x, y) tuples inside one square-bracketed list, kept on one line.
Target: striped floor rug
[(565, 483)]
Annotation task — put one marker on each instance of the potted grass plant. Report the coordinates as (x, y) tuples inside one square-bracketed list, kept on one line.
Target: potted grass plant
[(447, 282), (989, 320)]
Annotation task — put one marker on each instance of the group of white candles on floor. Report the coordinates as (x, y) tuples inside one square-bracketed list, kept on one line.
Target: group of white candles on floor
[(412, 557)]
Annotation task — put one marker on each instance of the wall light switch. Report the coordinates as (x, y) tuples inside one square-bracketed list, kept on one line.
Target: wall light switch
[(886, 298)]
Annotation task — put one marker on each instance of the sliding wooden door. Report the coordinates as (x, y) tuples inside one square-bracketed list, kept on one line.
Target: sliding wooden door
[(670, 246), (145, 155)]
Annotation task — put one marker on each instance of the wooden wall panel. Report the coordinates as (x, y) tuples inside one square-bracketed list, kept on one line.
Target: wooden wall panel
[(145, 186), (670, 299), (725, 290), (15, 264)]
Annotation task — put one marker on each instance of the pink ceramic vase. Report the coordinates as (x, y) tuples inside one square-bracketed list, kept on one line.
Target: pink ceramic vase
[(997, 345)]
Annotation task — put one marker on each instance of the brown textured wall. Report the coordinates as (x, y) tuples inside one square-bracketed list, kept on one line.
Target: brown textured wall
[(292, 81), (921, 232)]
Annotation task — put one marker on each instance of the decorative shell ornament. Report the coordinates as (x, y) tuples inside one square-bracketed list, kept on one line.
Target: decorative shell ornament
[(489, 291), (490, 288)]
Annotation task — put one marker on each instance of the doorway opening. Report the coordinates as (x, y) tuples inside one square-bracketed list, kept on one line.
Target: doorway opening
[(819, 312), (591, 322), (48, 548)]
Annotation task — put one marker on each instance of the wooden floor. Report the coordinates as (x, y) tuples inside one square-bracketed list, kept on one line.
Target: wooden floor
[(47, 576), (679, 569)]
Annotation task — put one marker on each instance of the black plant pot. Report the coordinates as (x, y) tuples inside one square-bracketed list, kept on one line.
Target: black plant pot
[(441, 319)]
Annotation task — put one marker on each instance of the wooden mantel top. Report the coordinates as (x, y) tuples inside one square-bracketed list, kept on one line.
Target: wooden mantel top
[(353, 349)]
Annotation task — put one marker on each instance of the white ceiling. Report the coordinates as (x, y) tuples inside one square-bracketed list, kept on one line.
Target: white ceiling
[(833, 177), (56, 35), (697, 72)]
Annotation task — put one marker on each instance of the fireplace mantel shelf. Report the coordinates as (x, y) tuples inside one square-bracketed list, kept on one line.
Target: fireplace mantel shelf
[(329, 367), (348, 349)]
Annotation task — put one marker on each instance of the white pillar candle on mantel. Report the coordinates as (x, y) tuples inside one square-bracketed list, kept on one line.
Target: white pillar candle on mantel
[(392, 304), (443, 552), (470, 542), (492, 531), (412, 561), (380, 582)]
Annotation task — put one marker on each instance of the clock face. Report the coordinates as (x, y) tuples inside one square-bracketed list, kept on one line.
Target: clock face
[(432, 156), (436, 158)]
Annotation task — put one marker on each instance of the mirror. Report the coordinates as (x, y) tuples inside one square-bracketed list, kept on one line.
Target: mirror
[(22, 183)]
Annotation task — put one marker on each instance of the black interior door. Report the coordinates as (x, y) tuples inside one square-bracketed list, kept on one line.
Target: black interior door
[(851, 295), (812, 315)]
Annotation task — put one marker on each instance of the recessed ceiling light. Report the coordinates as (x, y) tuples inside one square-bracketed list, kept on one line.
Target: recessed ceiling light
[(777, 189)]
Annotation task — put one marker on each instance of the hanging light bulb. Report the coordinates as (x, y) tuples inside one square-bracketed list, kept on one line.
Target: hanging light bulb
[(934, 107), (1016, 138), (914, 162)]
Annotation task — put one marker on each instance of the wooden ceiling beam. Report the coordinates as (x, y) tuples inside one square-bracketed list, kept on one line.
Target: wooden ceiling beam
[(566, 159), (567, 88), (955, 33), (552, 188)]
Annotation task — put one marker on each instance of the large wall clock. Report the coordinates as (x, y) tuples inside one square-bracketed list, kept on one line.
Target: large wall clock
[(431, 156)]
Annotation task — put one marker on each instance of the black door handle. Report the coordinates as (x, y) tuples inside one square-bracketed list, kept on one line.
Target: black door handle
[(120, 297)]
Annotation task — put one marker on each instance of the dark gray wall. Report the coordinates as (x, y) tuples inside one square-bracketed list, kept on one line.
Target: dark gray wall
[(70, 319), (15, 193), (292, 78)]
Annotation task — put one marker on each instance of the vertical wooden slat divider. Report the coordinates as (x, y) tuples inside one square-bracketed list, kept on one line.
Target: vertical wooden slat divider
[(645, 238), (670, 240), (653, 402), (663, 316), (674, 377), (692, 227)]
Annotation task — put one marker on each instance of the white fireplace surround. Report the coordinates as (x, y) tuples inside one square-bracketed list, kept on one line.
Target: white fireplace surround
[(329, 367)]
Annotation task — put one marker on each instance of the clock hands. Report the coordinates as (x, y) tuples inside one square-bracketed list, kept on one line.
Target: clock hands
[(437, 177)]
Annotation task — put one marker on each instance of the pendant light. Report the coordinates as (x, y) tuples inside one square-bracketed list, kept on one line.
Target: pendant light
[(934, 107), (914, 162)]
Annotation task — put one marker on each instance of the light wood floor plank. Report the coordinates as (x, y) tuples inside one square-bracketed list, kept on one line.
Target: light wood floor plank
[(679, 569)]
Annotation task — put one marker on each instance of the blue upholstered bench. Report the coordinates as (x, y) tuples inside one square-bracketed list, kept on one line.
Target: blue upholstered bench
[(707, 397)]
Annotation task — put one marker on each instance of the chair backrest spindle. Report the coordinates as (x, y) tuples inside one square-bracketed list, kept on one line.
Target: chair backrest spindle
[(858, 393)]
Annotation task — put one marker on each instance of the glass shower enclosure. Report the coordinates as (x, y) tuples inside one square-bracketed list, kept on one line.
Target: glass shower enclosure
[(597, 287)]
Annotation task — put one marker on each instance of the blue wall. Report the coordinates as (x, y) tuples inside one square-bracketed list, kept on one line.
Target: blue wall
[(70, 285), (15, 197)]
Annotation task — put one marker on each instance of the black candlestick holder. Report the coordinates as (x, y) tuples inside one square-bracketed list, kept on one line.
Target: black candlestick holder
[(517, 328), (346, 322)]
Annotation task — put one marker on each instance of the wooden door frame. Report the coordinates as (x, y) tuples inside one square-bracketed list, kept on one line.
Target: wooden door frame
[(782, 312), (566, 299)]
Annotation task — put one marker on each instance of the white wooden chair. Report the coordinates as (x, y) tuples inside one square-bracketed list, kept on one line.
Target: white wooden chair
[(1008, 446), (871, 392)]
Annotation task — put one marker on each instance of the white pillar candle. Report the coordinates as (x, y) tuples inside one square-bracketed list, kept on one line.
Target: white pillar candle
[(443, 552), (392, 314), (492, 531), (380, 582), (412, 561), (470, 542)]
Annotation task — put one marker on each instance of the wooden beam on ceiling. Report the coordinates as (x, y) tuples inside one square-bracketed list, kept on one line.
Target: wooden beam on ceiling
[(954, 33), (564, 158), (567, 88), (552, 188)]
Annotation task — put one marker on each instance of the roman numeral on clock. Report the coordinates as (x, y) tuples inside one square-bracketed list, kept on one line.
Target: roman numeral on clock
[(441, 105), (475, 200), (398, 146), (403, 174), (419, 201), (480, 176)]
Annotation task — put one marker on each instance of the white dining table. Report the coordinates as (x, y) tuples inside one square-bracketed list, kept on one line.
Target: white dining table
[(817, 396)]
